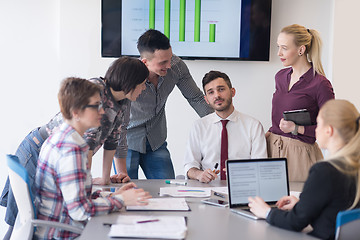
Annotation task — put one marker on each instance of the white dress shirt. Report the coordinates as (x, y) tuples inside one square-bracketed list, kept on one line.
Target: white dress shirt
[(246, 139)]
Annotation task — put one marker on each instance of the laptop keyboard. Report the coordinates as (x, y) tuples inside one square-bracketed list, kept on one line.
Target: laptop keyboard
[(248, 209)]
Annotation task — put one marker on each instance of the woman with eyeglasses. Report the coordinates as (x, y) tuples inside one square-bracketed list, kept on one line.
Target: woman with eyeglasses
[(123, 83), (332, 185), (63, 180)]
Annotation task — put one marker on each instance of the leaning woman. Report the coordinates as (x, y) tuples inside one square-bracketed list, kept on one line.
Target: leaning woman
[(123, 83), (63, 180)]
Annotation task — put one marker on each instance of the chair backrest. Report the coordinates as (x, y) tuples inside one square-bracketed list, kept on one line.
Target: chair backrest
[(19, 180), (348, 225)]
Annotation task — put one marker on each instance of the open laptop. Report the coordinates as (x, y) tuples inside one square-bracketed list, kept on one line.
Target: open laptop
[(266, 178)]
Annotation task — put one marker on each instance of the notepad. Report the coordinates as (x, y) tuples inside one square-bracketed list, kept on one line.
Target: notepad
[(163, 227), (162, 204), (295, 194)]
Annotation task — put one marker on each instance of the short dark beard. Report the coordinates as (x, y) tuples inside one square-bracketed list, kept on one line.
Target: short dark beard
[(226, 107)]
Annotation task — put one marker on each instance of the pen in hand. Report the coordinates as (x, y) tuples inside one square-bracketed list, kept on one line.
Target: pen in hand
[(215, 168)]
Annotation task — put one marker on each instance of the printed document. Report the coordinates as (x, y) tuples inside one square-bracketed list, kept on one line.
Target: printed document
[(147, 226), (183, 191), (162, 204)]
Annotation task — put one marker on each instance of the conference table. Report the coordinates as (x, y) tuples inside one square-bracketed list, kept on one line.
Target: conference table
[(203, 221)]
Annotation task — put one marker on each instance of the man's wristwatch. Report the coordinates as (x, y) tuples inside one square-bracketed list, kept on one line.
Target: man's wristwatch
[(295, 132)]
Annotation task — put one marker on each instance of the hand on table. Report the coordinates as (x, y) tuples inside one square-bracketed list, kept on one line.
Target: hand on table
[(133, 196), (258, 206), (125, 187), (120, 178), (207, 176)]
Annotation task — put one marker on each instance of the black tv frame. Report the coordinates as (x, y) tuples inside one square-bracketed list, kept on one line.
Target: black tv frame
[(258, 45)]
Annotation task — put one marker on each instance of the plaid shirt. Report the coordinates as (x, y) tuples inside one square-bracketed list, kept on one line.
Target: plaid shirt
[(63, 185)]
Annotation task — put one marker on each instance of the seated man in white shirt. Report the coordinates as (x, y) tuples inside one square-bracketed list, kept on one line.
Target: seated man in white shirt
[(246, 138)]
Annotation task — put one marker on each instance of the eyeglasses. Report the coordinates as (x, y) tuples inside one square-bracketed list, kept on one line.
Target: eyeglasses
[(98, 107)]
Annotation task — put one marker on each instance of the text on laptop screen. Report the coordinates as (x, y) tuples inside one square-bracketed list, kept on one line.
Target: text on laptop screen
[(267, 179)]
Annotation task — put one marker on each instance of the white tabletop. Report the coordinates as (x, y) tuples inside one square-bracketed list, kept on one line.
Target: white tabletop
[(204, 221)]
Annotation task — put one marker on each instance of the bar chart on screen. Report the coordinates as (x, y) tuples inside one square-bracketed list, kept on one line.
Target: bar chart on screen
[(194, 27)]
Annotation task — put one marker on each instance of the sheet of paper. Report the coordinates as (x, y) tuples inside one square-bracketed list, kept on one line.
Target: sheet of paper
[(295, 193), (162, 204), (168, 227), (201, 192), (184, 191)]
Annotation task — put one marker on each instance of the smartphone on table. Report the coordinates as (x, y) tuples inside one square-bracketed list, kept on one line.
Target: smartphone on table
[(216, 202)]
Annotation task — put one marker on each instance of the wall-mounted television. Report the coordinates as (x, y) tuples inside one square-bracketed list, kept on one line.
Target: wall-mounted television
[(197, 29)]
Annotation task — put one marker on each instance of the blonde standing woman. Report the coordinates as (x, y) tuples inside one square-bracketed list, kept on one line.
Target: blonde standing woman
[(332, 185), (302, 85)]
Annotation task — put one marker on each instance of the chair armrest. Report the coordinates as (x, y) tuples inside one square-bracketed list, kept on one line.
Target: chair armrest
[(63, 226)]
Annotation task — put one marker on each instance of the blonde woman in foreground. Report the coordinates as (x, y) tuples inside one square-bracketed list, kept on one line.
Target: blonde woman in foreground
[(332, 185)]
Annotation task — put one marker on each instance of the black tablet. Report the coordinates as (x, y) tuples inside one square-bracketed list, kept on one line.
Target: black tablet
[(300, 117)]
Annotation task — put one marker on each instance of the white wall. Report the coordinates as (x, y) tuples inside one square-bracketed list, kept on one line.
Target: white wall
[(29, 68), (44, 41), (346, 51)]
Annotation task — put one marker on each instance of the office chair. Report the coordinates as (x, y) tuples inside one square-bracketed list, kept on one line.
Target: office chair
[(348, 225), (26, 221)]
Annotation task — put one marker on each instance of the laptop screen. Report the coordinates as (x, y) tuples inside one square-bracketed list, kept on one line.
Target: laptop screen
[(266, 178)]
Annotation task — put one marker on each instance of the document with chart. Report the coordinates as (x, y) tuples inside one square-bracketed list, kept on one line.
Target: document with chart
[(147, 226), (162, 204)]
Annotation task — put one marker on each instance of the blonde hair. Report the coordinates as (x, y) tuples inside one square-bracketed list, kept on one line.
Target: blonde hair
[(344, 118), (310, 38)]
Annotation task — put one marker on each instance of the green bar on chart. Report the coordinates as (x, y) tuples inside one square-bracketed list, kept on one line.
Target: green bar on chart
[(151, 14), (167, 18), (197, 20), (182, 20), (212, 29)]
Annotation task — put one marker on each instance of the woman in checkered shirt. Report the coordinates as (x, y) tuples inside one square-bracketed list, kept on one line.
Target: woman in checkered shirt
[(63, 180)]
